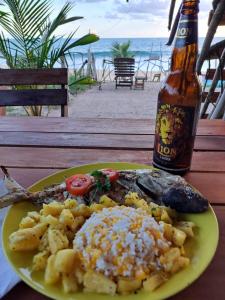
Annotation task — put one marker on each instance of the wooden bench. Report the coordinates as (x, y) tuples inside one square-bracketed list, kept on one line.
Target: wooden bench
[(124, 71), (26, 95)]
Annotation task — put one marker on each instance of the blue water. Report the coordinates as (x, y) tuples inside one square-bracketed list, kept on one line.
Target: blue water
[(139, 46), (142, 48)]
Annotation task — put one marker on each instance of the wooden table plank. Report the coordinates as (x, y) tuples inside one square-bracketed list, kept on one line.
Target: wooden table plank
[(104, 141), (209, 184), (208, 286), (84, 125), (211, 127), (208, 161), (25, 157), (66, 158), (27, 177), (98, 125)]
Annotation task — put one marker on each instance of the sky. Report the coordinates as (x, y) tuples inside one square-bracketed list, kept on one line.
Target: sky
[(137, 18)]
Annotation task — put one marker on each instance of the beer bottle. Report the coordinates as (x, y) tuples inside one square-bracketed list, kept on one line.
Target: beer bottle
[(179, 98)]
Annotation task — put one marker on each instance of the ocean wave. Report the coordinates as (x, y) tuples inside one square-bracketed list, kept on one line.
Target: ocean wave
[(143, 53)]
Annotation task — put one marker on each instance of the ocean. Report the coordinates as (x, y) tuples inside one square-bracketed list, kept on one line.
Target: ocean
[(153, 50), (151, 54), (141, 48)]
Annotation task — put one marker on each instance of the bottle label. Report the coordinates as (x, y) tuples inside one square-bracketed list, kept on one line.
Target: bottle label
[(174, 135), (187, 32)]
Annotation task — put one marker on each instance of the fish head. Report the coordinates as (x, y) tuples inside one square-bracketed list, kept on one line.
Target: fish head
[(155, 182), (185, 199)]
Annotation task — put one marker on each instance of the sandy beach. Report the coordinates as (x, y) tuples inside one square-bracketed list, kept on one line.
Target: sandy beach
[(108, 102), (113, 103)]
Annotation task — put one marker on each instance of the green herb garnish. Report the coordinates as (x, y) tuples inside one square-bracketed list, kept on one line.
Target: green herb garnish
[(102, 181)]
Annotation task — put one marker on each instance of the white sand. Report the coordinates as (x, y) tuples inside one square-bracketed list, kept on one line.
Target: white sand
[(114, 103)]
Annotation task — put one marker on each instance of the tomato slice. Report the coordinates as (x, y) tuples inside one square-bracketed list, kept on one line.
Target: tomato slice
[(112, 174), (78, 185)]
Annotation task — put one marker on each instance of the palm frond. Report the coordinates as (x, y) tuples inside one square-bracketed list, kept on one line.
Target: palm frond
[(5, 50), (61, 19), (85, 40), (121, 50), (32, 41), (24, 20), (58, 52), (72, 19), (44, 57)]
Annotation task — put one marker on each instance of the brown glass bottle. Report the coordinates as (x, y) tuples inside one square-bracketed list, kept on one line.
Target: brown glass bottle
[(179, 98)]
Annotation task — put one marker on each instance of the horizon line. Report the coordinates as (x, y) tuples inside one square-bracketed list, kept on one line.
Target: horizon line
[(145, 37)]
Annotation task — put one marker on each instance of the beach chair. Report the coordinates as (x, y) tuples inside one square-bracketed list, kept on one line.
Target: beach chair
[(156, 77), (139, 82), (124, 71), (40, 96)]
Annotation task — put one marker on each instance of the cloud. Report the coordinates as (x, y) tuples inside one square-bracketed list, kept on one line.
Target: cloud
[(90, 1), (146, 10), (153, 7), (142, 17), (140, 10), (136, 18), (112, 16), (205, 6)]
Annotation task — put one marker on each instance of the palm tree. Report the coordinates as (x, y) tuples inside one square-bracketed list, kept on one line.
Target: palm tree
[(121, 50), (32, 42)]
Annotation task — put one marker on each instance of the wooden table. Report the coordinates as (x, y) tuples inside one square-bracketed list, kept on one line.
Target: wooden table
[(35, 147)]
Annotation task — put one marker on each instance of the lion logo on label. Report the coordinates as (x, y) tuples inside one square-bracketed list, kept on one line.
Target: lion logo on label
[(170, 123)]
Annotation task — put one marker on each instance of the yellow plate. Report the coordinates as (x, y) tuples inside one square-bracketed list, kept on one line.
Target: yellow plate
[(206, 238)]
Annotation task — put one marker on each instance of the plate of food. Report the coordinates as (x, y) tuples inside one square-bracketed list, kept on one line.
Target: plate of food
[(120, 230)]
